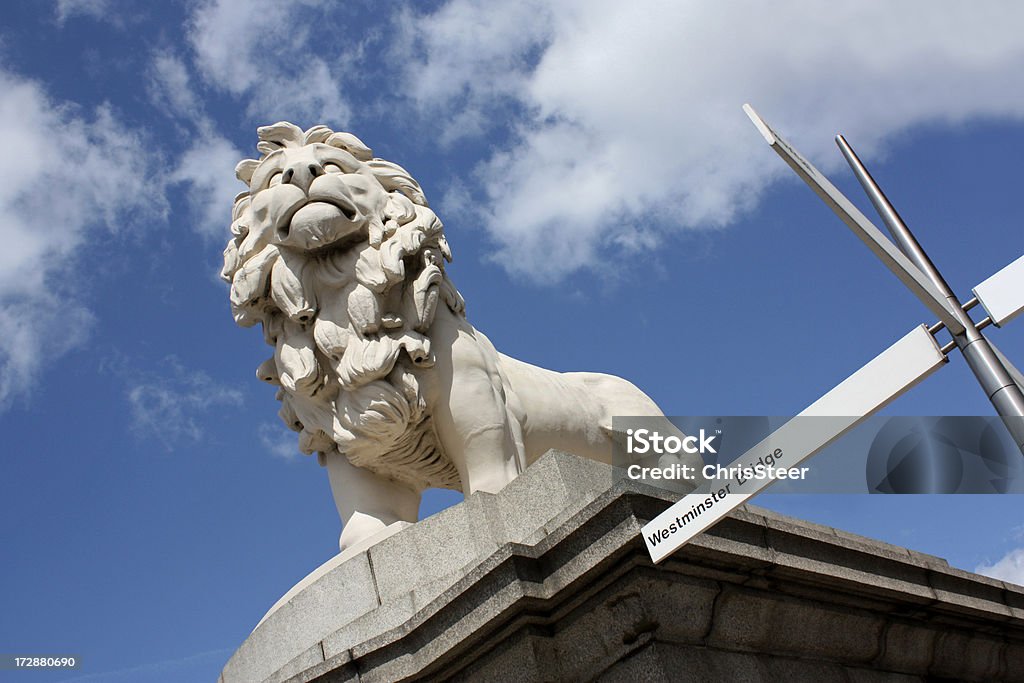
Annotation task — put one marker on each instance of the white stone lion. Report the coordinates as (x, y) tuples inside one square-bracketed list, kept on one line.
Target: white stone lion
[(337, 255)]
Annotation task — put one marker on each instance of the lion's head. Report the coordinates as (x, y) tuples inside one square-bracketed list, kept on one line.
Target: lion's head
[(340, 259)]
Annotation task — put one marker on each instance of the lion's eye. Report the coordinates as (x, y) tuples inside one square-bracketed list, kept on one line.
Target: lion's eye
[(274, 180), (332, 168)]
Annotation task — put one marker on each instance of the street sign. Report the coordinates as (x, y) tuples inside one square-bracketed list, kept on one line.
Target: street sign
[(886, 251), (1002, 295), (887, 376)]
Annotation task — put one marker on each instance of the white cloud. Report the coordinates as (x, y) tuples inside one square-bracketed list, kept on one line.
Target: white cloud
[(475, 57), (279, 442), (95, 9), (68, 178), (208, 167), (170, 88), (169, 409), (264, 50), (1010, 568), (626, 116)]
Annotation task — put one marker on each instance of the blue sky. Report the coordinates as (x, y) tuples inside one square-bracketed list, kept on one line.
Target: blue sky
[(610, 208)]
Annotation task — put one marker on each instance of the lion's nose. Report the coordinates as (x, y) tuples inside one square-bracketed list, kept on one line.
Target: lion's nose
[(302, 173)]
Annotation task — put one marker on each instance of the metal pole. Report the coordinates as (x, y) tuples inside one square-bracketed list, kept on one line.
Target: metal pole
[(1000, 388)]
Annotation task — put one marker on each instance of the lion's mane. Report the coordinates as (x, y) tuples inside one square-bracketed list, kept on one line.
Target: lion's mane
[(349, 321)]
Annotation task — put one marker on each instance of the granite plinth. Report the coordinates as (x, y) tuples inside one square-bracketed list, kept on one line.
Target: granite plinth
[(549, 580)]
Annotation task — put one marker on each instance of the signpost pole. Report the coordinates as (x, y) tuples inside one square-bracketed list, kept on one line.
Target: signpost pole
[(997, 383)]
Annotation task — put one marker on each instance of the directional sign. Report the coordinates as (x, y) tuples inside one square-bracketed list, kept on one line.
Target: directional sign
[(889, 254), (1002, 295), (866, 391), (863, 393)]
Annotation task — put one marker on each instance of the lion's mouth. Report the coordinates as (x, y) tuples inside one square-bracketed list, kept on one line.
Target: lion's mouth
[(320, 221)]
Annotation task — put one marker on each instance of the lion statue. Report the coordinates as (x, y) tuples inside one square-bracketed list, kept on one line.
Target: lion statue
[(339, 258)]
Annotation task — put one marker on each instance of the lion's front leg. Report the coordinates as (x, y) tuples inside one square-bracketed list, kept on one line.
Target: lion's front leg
[(477, 433), (471, 417), (367, 503)]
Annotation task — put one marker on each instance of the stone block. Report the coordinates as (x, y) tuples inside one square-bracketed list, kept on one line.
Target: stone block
[(908, 646), (392, 615), (736, 539), (313, 656), (645, 665), (782, 625), (960, 591), (609, 627), (857, 675), (443, 545), (800, 669), (687, 664), (335, 598), (681, 606), (1013, 655), (961, 655), (838, 560), (338, 669), (551, 490), (524, 658)]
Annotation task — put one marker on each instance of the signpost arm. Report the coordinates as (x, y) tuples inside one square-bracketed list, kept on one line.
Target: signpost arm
[(1002, 295), (883, 248), (864, 393)]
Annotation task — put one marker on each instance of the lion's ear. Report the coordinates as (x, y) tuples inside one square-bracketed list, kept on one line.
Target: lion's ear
[(245, 169), (351, 144)]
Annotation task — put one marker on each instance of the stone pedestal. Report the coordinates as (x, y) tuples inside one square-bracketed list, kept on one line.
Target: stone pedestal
[(549, 580)]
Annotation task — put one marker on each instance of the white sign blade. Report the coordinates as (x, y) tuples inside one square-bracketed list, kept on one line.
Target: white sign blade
[(1002, 295), (863, 393), (883, 248)]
